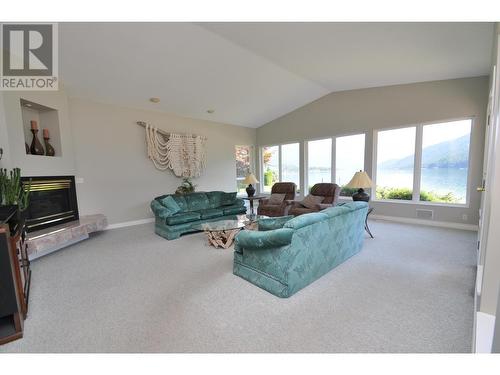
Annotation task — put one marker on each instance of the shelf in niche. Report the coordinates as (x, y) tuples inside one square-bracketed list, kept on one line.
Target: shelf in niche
[(46, 118)]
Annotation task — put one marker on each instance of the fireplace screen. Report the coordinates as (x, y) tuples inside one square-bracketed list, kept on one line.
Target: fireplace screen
[(52, 201)]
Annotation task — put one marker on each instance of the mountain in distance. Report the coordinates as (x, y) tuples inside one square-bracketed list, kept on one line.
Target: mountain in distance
[(448, 154)]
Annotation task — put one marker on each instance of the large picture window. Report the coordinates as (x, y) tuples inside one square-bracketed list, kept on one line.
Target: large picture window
[(424, 163), (349, 159), (445, 162), (395, 162), (319, 161)]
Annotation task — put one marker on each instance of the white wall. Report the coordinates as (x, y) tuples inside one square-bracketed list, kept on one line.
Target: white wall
[(111, 157), (364, 110)]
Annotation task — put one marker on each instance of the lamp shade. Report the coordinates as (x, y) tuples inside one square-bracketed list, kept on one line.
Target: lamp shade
[(360, 180), (250, 179)]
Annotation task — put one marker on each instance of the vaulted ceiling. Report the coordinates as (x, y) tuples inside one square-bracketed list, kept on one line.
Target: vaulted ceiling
[(252, 73)]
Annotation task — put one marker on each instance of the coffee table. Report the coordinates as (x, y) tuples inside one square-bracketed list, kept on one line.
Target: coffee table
[(221, 233)]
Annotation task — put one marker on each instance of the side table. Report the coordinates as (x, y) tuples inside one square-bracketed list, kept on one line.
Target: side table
[(251, 199)]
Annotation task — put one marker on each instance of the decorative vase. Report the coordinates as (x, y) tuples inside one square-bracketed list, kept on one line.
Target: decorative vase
[(250, 190), (49, 150), (36, 147), (27, 148)]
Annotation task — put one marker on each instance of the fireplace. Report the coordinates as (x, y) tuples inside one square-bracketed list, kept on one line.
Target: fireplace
[(52, 201)]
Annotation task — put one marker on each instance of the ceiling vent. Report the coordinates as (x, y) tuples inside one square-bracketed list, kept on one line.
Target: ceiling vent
[(425, 214)]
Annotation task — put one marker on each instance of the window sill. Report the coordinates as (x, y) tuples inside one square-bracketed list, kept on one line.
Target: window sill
[(422, 203)]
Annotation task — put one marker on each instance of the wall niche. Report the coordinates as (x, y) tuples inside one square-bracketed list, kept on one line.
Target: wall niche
[(46, 121)]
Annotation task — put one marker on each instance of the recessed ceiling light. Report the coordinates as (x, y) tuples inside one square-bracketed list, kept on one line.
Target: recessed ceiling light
[(154, 100), (28, 105), (210, 111)]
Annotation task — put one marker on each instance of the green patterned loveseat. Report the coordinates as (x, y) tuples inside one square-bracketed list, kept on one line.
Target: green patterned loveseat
[(285, 260), (179, 214)]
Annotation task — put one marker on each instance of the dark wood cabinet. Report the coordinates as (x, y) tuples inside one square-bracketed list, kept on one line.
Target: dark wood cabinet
[(15, 275)]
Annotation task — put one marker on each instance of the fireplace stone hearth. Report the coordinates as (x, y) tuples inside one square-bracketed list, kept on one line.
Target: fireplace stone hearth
[(48, 240)]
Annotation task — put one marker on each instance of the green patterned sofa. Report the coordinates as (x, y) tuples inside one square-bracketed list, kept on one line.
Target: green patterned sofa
[(285, 260), (179, 214)]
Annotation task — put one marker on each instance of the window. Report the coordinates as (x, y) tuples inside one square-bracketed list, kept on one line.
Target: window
[(395, 162), (319, 161), (349, 158), (243, 166), (445, 162), (270, 163), (290, 163), (287, 169), (425, 163)]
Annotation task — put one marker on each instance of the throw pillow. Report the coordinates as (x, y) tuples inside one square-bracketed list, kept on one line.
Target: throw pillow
[(276, 199), (170, 204), (272, 223), (311, 201), (228, 199)]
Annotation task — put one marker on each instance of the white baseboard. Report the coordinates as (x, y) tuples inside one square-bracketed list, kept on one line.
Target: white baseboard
[(485, 328), (130, 223), (442, 224)]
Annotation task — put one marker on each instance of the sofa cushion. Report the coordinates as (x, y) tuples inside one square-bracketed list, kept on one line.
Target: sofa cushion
[(273, 222), (311, 201), (235, 209), (305, 220), (171, 205), (210, 213), (214, 198), (197, 201), (183, 217), (276, 199), (181, 202), (227, 199)]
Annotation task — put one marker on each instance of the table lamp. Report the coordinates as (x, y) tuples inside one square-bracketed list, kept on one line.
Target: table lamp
[(250, 179), (360, 180)]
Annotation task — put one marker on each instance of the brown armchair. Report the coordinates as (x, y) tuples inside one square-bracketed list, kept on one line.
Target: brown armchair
[(268, 209), (329, 191)]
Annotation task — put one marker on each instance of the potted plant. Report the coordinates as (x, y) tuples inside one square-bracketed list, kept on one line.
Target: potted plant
[(186, 187), (12, 191)]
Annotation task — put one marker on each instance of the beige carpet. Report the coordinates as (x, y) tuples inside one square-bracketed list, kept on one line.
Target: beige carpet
[(128, 290)]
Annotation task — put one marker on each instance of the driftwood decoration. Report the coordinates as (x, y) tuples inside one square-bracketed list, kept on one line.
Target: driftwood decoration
[(222, 238), (184, 154)]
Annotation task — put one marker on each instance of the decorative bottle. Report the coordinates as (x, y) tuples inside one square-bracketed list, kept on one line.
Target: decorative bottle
[(49, 150), (36, 147)]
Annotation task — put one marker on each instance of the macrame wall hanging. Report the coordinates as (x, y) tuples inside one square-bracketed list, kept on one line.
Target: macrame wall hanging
[(184, 154)]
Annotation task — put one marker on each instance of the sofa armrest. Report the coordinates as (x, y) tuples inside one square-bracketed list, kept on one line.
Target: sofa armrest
[(322, 206), (250, 239), (159, 210)]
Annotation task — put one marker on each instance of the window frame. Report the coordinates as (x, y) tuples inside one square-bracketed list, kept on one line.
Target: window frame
[(280, 164), (333, 163), (417, 164)]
